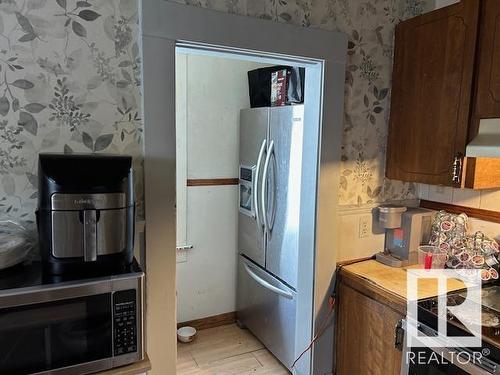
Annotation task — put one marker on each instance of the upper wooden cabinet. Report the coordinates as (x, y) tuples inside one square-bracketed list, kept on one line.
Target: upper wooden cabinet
[(446, 77)]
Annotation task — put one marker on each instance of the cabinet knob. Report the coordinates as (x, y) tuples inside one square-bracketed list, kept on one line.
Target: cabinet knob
[(457, 168)]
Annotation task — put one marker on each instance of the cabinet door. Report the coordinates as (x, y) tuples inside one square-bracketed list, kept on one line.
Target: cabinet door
[(431, 93), (365, 336), (488, 71)]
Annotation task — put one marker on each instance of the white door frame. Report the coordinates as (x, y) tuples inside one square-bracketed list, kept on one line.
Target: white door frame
[(164, 25)]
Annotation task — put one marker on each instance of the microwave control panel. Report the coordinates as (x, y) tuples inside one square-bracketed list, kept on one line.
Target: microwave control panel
[(124, 322)]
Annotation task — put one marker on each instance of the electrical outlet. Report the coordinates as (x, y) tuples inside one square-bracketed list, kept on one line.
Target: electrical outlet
[(365, 222)]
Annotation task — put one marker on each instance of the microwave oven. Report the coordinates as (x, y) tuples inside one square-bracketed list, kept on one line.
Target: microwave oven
[(63, 326)]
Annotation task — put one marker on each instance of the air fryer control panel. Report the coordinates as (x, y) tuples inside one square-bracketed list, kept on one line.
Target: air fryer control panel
[(124, 322)]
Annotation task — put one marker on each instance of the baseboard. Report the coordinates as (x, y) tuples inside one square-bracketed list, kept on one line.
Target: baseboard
[(210, 321)]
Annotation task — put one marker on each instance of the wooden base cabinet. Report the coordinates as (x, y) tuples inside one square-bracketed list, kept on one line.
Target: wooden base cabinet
[(365, 335), (446, 78)]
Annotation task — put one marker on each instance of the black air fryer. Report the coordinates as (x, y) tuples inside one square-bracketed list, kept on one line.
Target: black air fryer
[(86, 212)]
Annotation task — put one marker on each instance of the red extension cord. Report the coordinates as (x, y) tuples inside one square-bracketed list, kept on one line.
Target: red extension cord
[(321, 330)]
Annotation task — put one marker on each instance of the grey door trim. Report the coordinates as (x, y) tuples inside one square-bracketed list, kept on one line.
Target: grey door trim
[(209, 28), (163, 25)]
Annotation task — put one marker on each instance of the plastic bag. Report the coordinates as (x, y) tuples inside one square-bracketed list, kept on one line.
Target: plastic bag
[(16, 243)]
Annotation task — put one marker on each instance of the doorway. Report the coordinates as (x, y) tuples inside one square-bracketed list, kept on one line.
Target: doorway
[(210, 92), (323, 54), (212, 98)]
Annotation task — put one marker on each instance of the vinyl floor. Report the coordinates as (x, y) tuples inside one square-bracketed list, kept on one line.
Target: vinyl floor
[(226, 350)]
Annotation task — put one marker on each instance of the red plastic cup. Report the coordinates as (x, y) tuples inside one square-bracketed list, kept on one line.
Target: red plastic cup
[(428, 261)]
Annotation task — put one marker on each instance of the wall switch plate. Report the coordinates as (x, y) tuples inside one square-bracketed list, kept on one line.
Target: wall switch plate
[(365, 222)]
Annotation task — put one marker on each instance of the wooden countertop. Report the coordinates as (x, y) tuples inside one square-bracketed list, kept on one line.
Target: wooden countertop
[(389, 283), (133, 369)]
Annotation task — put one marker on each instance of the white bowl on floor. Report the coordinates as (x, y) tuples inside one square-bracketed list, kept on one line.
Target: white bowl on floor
[(186, 334)]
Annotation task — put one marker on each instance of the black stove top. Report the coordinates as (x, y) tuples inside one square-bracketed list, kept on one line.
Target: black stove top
[(32, 275), (490, 321)]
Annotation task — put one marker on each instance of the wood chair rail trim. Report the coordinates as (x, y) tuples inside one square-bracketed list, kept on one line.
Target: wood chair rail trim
[(477, 213), (212, 181)]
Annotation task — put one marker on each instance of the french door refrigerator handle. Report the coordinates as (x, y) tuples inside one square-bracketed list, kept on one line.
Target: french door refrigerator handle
[(266, 284), (256, 184), (264, 188), (273, 214)]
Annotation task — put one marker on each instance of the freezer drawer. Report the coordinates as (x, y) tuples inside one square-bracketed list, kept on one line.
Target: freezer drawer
[(267, 308)]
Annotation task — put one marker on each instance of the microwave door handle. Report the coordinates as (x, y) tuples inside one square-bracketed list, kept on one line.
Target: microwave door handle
[(256, 184), (89, 235), (266, 284), (263, 191)]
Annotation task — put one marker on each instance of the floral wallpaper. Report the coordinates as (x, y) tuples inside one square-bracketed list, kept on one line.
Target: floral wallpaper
[(69, 82), (370, 26)]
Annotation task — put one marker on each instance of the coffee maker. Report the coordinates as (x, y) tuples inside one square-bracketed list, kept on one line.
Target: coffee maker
[(86, 212), (405, 230)]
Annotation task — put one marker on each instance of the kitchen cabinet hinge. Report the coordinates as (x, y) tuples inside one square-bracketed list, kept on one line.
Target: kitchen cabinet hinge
[(457, 168), (184, 247), (399, 335)]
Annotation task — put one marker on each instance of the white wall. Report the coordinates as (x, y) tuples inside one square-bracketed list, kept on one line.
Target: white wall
[(356, 243), (444, 3), (484, 199), (206, 281), (211, 92), (352, 245)]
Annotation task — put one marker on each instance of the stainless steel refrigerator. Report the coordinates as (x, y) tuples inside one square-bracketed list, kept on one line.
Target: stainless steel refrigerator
[(271, 173)]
